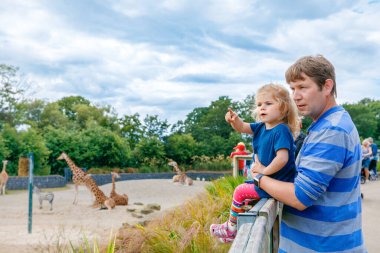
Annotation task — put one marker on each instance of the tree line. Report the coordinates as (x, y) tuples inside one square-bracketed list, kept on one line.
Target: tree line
[(96, 137)]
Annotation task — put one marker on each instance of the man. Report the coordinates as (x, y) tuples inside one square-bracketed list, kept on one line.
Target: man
[(322, 211), (374, 157)]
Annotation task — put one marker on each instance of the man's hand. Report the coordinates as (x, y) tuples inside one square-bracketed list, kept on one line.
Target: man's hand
[(230, 116), (257, 167)]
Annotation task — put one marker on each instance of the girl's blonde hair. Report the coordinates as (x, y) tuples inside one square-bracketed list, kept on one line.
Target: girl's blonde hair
[(287, 106)]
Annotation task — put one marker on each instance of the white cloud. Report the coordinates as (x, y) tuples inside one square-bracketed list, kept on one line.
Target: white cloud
[(169, 57)]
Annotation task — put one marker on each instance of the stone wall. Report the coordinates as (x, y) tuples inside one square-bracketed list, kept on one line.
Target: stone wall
[(20, 183), (56, 181), (101, 179)]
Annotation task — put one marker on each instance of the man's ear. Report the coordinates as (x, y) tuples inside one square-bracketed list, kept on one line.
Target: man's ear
[(328, 87)]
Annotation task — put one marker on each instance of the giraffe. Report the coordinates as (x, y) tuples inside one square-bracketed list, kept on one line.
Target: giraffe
[(3, 178), (100, 198), (120, 200), (177, 170), (181, 176), (78, 174)]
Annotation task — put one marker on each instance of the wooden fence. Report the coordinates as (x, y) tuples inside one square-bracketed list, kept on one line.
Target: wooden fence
[(235, 162), (258, 228)]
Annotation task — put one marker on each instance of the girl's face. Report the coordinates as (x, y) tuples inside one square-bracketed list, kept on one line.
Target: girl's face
[(268, 110)]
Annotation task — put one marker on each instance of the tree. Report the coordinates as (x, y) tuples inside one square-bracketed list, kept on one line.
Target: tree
[(85, 114), (245, 108), (154, 127), (4, 152), (10, 94), (374, 106), (53, 116), (58, 140), (12, 148), (31, 111), (363, 118), (147, 150), (178, 127), (180, 147), (192, 122), (67, 105), (100, 147), (203, 123), (31, 141), (131, 129)]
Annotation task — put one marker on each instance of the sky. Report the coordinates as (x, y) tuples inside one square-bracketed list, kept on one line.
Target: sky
[(169, 57)]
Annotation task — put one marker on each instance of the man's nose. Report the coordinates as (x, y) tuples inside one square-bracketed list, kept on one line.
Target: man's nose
[(296, 95)]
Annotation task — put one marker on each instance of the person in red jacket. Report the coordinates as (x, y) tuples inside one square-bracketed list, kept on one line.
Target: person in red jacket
[(240, 150)]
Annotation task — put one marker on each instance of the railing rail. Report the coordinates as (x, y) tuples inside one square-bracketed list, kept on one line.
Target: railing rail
[(258, 229), (235, 162)]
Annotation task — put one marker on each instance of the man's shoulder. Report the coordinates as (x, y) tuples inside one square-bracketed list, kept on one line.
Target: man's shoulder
[(339, 121)]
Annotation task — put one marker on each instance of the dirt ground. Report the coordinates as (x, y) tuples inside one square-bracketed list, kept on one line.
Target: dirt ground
[(371, 215), (68, 222)]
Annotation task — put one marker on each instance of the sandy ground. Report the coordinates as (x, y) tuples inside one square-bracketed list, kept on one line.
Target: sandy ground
[(74, 222), (371, 215), (70, 222)]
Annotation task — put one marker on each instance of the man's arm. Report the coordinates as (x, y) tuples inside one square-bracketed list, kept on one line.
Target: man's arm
[(282, 157), (282, 191)]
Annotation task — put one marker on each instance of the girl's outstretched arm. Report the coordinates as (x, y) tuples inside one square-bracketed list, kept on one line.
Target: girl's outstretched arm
[(237, 123)]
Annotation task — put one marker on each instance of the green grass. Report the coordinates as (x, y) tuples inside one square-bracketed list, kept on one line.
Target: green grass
[(185, 229)]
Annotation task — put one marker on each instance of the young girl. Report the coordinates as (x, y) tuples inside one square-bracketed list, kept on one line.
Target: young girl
[(273, 143)]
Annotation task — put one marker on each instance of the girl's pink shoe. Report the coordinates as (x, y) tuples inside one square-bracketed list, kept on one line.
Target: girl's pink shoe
[(222, 231)]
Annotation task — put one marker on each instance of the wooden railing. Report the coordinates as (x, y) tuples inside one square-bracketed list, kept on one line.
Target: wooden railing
[(258, 229), (235, 162)]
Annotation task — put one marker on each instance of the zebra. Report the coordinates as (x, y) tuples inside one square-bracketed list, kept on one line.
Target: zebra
[(49, 196)]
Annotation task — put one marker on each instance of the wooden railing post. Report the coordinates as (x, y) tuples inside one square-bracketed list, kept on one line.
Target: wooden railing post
[(235, 163), (258, 229)]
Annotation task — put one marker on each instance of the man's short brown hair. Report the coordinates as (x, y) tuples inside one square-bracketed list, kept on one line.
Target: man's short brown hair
[(318, 68)]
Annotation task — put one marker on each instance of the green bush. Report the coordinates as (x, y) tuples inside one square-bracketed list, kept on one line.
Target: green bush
[(217, 163)]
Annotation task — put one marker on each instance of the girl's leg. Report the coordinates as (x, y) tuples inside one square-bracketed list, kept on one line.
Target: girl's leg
[(241, 193), (228, 229)]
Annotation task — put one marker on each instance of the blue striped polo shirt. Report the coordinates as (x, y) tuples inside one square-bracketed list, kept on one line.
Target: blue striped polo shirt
[(327, 182)]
